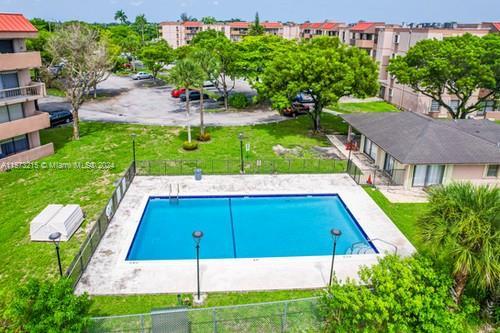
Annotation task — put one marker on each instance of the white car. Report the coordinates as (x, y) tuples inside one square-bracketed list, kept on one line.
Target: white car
[(142, 76)]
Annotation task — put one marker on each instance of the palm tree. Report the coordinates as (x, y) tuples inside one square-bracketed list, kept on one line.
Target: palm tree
[(121, 16), (141, 22), (187, 74), (207, 63), (462, 223)]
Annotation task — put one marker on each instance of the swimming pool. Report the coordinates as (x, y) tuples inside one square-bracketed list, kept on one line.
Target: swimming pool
[(244, 227)]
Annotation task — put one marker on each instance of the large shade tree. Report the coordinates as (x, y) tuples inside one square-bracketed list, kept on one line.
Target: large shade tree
[(463, 224), (157, 55), (322, 67), (225, 54), (189, 75), (85, 60), (256, 52), (464, 67)]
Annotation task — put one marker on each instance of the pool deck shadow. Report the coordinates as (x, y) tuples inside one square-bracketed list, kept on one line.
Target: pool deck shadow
[(110, 274)]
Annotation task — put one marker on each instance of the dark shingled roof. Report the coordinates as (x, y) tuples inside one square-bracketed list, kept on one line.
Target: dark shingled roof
[(412, 138)]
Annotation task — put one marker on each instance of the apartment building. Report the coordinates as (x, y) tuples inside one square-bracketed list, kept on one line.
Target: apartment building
[(364, 35), (20, 121), (391, 41), (179, 34), (310, 30)]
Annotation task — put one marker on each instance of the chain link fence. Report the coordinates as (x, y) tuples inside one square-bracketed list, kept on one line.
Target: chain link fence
[(81, 260), (231, 167), (299, 315)]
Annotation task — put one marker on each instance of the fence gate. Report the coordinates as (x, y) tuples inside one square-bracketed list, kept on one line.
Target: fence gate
[(354, 171), (170, 321)]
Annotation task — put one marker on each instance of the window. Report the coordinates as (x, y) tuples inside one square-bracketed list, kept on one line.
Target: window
[(454, 104), (396, 39), (426, 175), (489, 106), (435, 106), (14, 145), (11, 113), (492, 170), (8, 81), (6, 46)]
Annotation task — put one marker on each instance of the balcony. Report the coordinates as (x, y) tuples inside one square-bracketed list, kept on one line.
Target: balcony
[(27, 156), (36, 122), (363, 43), (19, 60), (22, 94)]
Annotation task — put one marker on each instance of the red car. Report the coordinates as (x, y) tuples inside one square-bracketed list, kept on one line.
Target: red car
[(176, 93)]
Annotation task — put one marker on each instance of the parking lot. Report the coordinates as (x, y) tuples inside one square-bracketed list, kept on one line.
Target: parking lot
[(145, 102)]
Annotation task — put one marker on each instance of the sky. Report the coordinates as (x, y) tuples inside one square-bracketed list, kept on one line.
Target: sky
[(389, 11)]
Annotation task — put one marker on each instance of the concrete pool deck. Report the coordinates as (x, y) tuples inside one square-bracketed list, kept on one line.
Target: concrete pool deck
[(109, 273)]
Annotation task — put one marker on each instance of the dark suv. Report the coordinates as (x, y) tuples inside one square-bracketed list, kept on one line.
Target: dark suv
[(59, 117)]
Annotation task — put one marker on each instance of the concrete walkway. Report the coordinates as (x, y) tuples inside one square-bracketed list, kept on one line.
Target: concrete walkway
[(109, 272)]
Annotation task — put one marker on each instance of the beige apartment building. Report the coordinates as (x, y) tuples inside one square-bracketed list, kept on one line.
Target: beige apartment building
[(179, 34), (391, 41), (19, 119)]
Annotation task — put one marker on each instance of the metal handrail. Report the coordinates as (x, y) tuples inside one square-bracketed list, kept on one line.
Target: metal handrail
[(372, 240)]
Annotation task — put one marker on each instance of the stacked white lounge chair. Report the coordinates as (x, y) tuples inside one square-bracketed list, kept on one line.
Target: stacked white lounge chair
[(56, 218)]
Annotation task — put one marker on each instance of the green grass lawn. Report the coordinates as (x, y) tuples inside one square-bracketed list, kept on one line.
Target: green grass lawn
[(404, 215), (364, 107), (119, 305), (55, 92), (25, 192)]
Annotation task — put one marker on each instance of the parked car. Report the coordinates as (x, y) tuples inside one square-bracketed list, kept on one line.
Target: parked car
[(59, 117), (296, 109), (193, 96), (176, 93), (142, 76), (303, 98)]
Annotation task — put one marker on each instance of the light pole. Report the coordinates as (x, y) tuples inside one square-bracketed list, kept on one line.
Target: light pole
[(241, 137), (197, 235), (55, 238), (335, 234), (133, 135)]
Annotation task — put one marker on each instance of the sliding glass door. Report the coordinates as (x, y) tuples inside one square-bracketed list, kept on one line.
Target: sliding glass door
[(370, 149), (427, 175)]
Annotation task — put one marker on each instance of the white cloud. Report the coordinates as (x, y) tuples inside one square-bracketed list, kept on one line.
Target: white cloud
[(216, 3), (137, 3)]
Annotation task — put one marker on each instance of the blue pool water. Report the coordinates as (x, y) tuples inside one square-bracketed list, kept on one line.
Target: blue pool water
[(244, 227)]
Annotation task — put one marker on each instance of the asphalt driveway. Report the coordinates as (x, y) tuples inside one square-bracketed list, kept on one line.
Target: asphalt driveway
[(143, 102)]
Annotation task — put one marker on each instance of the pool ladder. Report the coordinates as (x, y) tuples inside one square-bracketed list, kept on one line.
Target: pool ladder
[(171, 198), (363, 248)]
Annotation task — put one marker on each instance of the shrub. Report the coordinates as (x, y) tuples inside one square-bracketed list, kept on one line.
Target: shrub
[(193, 145), (204, 137), (238, 101), (396, 295), (48, 307)]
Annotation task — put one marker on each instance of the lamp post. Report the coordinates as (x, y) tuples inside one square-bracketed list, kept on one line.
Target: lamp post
[(133, 135), (55, 238), (335, 234), (241, 137), (197, 235)]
